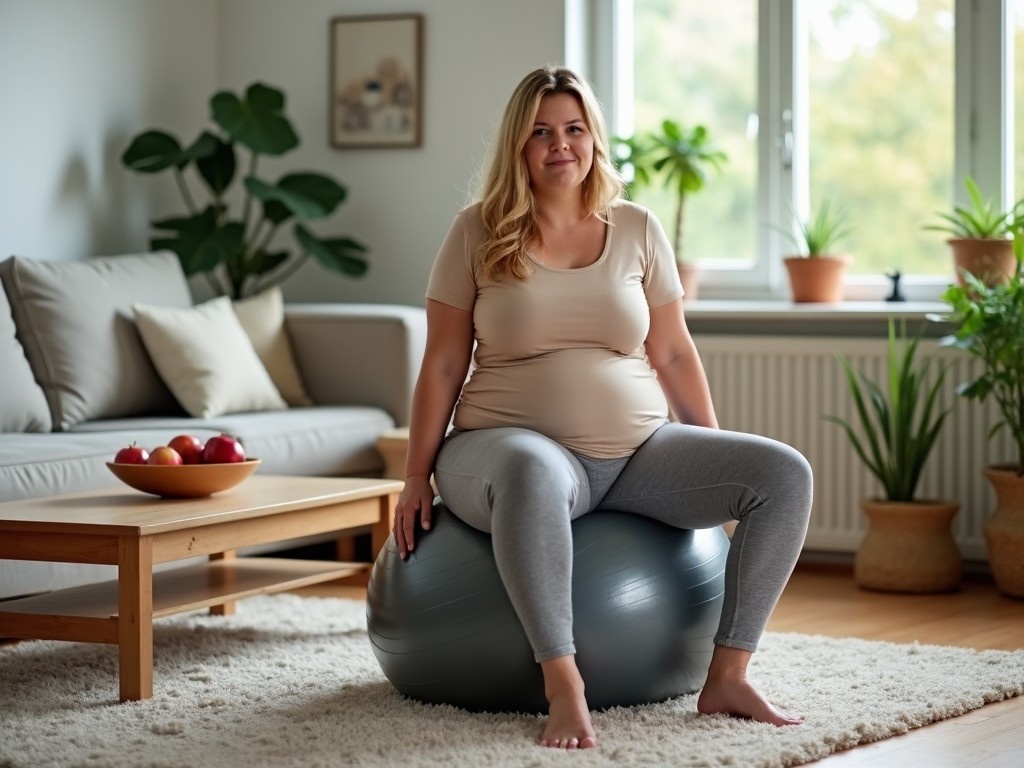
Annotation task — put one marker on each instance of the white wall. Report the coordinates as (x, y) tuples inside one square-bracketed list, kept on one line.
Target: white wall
[(401, 201), (79, 79)]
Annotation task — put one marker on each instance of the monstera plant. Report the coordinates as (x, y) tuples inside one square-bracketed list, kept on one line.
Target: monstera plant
[(234, 251)]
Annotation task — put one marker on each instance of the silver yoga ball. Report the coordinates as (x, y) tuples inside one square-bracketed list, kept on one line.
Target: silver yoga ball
[(646, 602)]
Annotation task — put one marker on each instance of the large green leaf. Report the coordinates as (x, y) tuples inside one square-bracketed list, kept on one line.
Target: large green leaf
[(307, 195), (218, 166), (152, 152), (337, 254), (258, 121), (200, 241)]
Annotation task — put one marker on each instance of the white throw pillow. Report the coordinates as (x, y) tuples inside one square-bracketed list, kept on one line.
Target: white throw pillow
[(262, 317), (206, 359)]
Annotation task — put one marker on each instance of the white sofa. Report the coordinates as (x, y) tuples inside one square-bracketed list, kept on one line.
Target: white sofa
[(78, 383)]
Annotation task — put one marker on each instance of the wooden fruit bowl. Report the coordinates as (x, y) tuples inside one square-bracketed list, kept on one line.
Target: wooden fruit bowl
[(187, 481)]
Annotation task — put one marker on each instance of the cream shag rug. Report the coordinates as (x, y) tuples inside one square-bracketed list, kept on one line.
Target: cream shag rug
[(291, 681)]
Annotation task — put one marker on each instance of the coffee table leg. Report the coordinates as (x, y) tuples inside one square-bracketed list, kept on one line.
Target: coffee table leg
[(224, 609), (382, 528), (135, 617)]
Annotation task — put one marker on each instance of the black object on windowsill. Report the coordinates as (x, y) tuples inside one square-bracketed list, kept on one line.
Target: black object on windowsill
[(895, 276)]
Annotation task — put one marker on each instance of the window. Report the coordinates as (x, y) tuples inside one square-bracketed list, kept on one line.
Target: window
[(881, 106)]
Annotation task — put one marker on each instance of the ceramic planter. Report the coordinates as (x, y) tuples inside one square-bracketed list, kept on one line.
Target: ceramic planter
[(908, 547), (990, 259), (1004, 530), (817, 279)]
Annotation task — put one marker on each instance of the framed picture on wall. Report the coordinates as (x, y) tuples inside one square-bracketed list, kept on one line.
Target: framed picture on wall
[(376, 81)]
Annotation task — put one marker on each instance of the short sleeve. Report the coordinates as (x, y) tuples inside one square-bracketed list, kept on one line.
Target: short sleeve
[(661, 279), (452, 279)]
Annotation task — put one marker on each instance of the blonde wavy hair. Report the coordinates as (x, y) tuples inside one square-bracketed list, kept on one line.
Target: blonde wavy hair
[(507, 204)]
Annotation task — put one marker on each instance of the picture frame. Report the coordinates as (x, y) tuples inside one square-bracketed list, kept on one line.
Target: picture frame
[(376, 82)]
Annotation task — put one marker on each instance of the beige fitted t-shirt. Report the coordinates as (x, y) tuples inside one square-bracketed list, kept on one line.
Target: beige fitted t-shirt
[(562, 352)]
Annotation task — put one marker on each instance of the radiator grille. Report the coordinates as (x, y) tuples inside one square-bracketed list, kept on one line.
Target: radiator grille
[(782, 387)]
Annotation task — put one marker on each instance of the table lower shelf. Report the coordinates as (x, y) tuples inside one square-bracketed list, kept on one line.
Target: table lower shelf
[(89, 613)]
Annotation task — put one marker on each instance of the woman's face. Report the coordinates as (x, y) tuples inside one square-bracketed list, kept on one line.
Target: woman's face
[(559, 152)]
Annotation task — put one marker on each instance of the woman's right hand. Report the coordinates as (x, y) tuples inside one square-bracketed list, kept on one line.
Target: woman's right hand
[(415, 501)]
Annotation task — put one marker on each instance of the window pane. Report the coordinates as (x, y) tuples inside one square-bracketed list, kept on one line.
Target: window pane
[(1017, 19), (881, 110), (695, 62)]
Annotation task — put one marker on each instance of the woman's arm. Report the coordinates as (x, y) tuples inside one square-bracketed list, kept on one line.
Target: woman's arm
[(674, 356), (442, 374)]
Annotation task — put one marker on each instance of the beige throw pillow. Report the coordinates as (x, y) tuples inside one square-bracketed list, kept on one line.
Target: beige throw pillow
[(262, 317), (206, 359)]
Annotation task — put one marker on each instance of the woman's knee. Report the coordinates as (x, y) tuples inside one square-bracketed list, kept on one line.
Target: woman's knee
[(513, 468)]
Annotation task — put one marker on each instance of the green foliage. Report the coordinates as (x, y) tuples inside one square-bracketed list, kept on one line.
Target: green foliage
[(877, 140), (681, 158), (233, 251), (821, 231), (899, 424), (989, 324), (981, 220)]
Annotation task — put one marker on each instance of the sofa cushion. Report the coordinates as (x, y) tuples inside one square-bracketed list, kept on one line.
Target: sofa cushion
[(325, 441), (206, 359), (74, 321), (262, 317), (23, 406)]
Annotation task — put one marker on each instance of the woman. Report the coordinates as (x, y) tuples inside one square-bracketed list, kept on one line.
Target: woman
[(571, 297)]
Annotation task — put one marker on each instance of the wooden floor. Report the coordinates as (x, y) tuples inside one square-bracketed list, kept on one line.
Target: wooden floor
[(824, 600)]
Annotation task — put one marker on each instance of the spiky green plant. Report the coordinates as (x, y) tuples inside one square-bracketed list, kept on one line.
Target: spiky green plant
[(898, 425), (818, 234), (981, 220)]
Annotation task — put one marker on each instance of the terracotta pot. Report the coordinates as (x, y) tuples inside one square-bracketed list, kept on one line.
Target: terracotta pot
[(991, 260), (1004, 530), (817, 279), (689, 276), (908, 547)]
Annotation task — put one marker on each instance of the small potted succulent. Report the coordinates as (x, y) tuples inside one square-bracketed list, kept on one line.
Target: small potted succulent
[(816, 270), (981, 237)]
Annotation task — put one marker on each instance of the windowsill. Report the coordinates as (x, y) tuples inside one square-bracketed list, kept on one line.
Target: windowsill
[(775, 317)]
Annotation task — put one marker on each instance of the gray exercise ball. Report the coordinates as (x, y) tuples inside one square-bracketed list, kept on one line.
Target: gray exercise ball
[(646, 602)]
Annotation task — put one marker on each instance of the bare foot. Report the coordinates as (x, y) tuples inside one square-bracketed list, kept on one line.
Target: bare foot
[(727, 691), (736, 696), (568, 725)]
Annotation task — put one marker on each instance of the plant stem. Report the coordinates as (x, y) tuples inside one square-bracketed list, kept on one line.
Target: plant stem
[(179, 178)]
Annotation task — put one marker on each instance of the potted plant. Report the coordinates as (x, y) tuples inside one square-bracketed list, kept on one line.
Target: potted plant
[(908, 545), (981, 241), (234, 251), (682, 159), (816, 270), (988, 324)]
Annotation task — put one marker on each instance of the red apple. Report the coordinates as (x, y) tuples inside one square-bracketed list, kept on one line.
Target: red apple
[(223, 449), (133, 454), (189, 447), (165, 455)]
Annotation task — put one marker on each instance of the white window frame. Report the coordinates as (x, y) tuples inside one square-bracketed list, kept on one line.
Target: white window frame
[(599, 43)]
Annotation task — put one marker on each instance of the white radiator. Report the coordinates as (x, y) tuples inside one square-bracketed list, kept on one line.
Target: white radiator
[(781, 387)]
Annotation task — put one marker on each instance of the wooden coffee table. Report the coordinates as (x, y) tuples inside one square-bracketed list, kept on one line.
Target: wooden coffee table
[(133, 531)]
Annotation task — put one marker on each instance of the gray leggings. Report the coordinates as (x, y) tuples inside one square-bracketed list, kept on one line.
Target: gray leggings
[(524, 489)]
